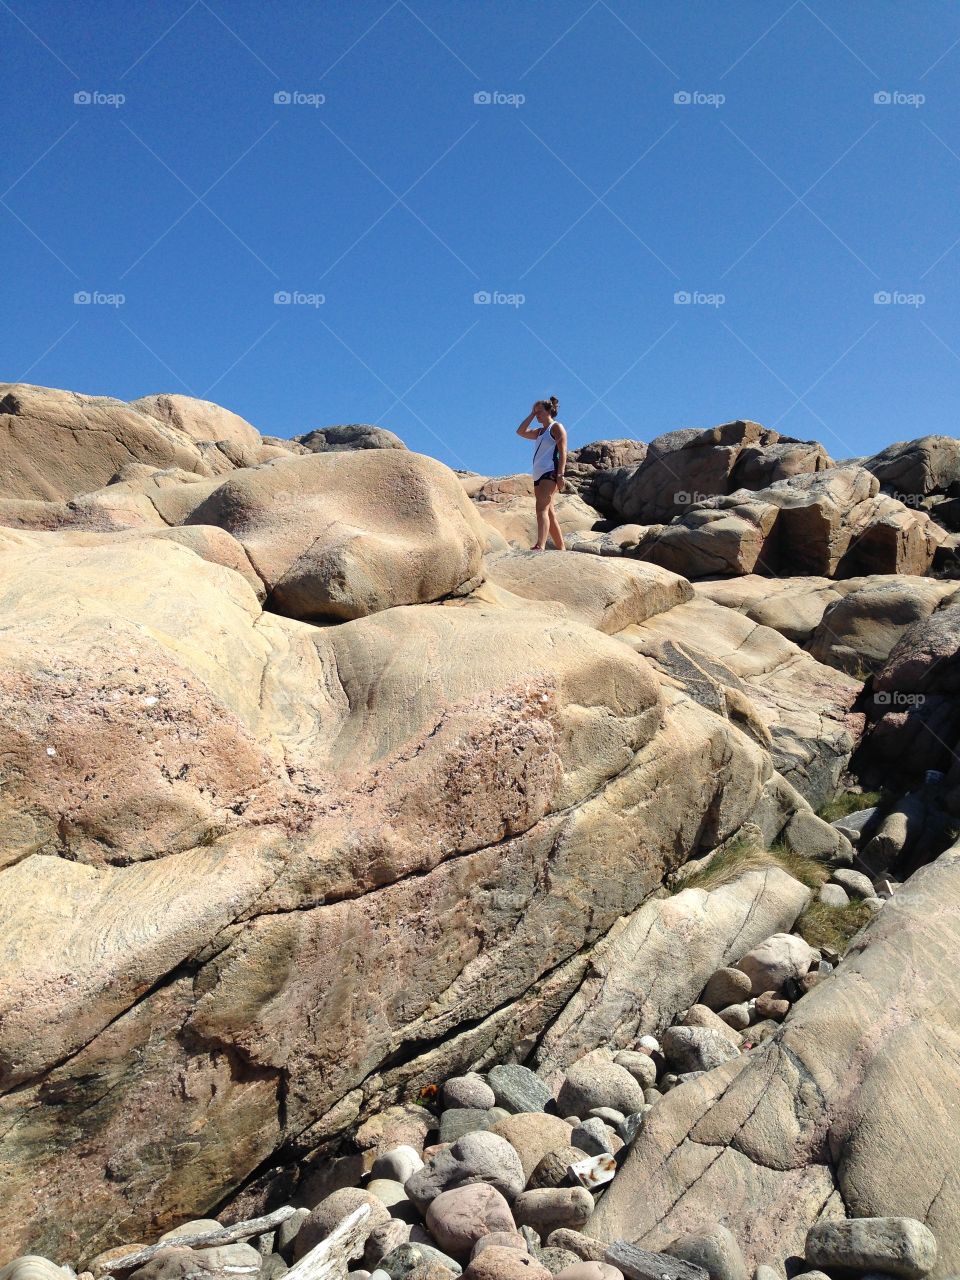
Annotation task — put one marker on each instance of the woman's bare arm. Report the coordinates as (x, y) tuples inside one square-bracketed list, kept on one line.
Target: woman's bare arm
[(523, 429), (560, 435)]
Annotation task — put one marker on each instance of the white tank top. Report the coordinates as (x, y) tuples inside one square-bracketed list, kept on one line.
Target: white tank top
[(546, 454)]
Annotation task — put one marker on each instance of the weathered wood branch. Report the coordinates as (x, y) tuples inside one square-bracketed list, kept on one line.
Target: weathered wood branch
[(204, 1239)]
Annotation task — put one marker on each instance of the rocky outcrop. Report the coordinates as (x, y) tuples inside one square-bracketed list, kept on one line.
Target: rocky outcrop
[(353, 435), (206, 423), (916, 469), (55, 444), (506, 503), (809, 1126), (682, 468)]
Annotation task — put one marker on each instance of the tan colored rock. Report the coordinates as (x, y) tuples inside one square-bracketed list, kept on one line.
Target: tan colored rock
[(458, 1218), (698, 1015), (533, 1134), (335, 1209), (507, 504), (499, 1263), (201, 420)]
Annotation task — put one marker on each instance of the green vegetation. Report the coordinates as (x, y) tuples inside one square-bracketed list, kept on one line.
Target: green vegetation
[(824, 926), (741, 856), (848, 802)]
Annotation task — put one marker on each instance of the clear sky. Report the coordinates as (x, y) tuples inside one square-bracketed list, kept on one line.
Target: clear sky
[(622, 153)]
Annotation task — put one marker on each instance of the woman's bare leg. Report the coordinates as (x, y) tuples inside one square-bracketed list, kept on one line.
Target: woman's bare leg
[(554, 525), (542, 498)]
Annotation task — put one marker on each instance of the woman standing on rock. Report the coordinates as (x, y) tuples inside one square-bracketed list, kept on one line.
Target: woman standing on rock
[(549, 464)]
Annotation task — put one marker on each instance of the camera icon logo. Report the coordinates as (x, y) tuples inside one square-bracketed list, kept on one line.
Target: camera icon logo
[(83, 98), (82, 298), (882, 298), (282, 98), (882, 99), (882, 699), (483, 98), (682, 97), (482, 297), (282, 298), (681, 498), (681, 297)]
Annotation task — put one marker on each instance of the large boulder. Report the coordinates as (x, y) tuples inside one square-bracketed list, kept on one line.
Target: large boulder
[(342, 535), (849, 1110), (55, 444), (507, 504), (203, 421), (915, 469)]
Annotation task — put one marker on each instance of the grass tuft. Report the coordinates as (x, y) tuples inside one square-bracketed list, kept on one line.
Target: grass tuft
[(824, 926), (848, 802), (742, 856)]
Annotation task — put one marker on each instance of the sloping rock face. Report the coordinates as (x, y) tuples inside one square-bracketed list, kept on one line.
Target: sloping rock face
[(221, 820), (595, 470), (916, 469), (811, 1125), (204, 421), (506, 503), (682, 468), (54, 444)]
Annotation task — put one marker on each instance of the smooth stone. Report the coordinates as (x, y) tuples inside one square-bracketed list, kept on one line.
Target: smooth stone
[(699, 1015), (716, 1250), (481, 1156), (457, 1218), (873, 903), (652, 1096), (585, 1247), (498, 1263), (897, 1246), (387, 1190), (274, 1268), (517, 1088), (630, 1126), (638, 1264), (470, 1090), (640, 1065), (331, 1211), (428, 1270), (288, 1230), (383, 1240), (727, 986), (697, 1048), (553, 1169), (532, 1134), (833, 895), (609, 1114), (404, 1258), (595, 1080), (770, 1005), (781, 956), (855, 882), (236, 1258), (506, 1239), (554, 1259), (30, 1266), (736, 1016), (581, 1270), (550, 1207), (764, 1272), (456, 1121), (399, 1163), (593, 1137)]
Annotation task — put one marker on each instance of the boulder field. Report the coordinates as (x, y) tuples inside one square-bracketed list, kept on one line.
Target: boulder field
[(349, 849)]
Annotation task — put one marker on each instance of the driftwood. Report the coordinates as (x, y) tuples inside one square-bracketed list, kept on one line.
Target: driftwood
[(204, 1239), (330, 1258), (638, 1264)]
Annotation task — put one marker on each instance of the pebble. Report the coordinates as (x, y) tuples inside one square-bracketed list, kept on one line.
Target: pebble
[(640, 1065), (594, 1137), (896, 1246), (697, 1048), (698, 1015), (517, 1088), (387, 1190), (331, 1211), (498, 1263), (532, 1134), (551, 1171), (470, 1090), (648, 1044), (873, 903), (652, 1096), (630, 1126), (456, 1121), (715, 1249), (580, 1270), (727, 986), (772, 1006), (427, 1270), (762, 1030), (287, 1232), (31, 1266), (555, 1259), (383, 1240), (236, 1258), (552, 1207), (833, 895), (763, 1272), (403, 1258), (457, 1218), (609, 1114), (595, 1080), (507, 1239), (855, 882), (399, 1163), (585, 1247), (476, 1157), (736, 1016), (781, 956), (273, 1267)]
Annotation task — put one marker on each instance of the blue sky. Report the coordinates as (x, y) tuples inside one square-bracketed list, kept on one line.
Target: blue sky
[(732, 151)]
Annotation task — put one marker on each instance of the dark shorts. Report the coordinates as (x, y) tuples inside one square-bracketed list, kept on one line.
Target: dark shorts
[(547, 475)]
